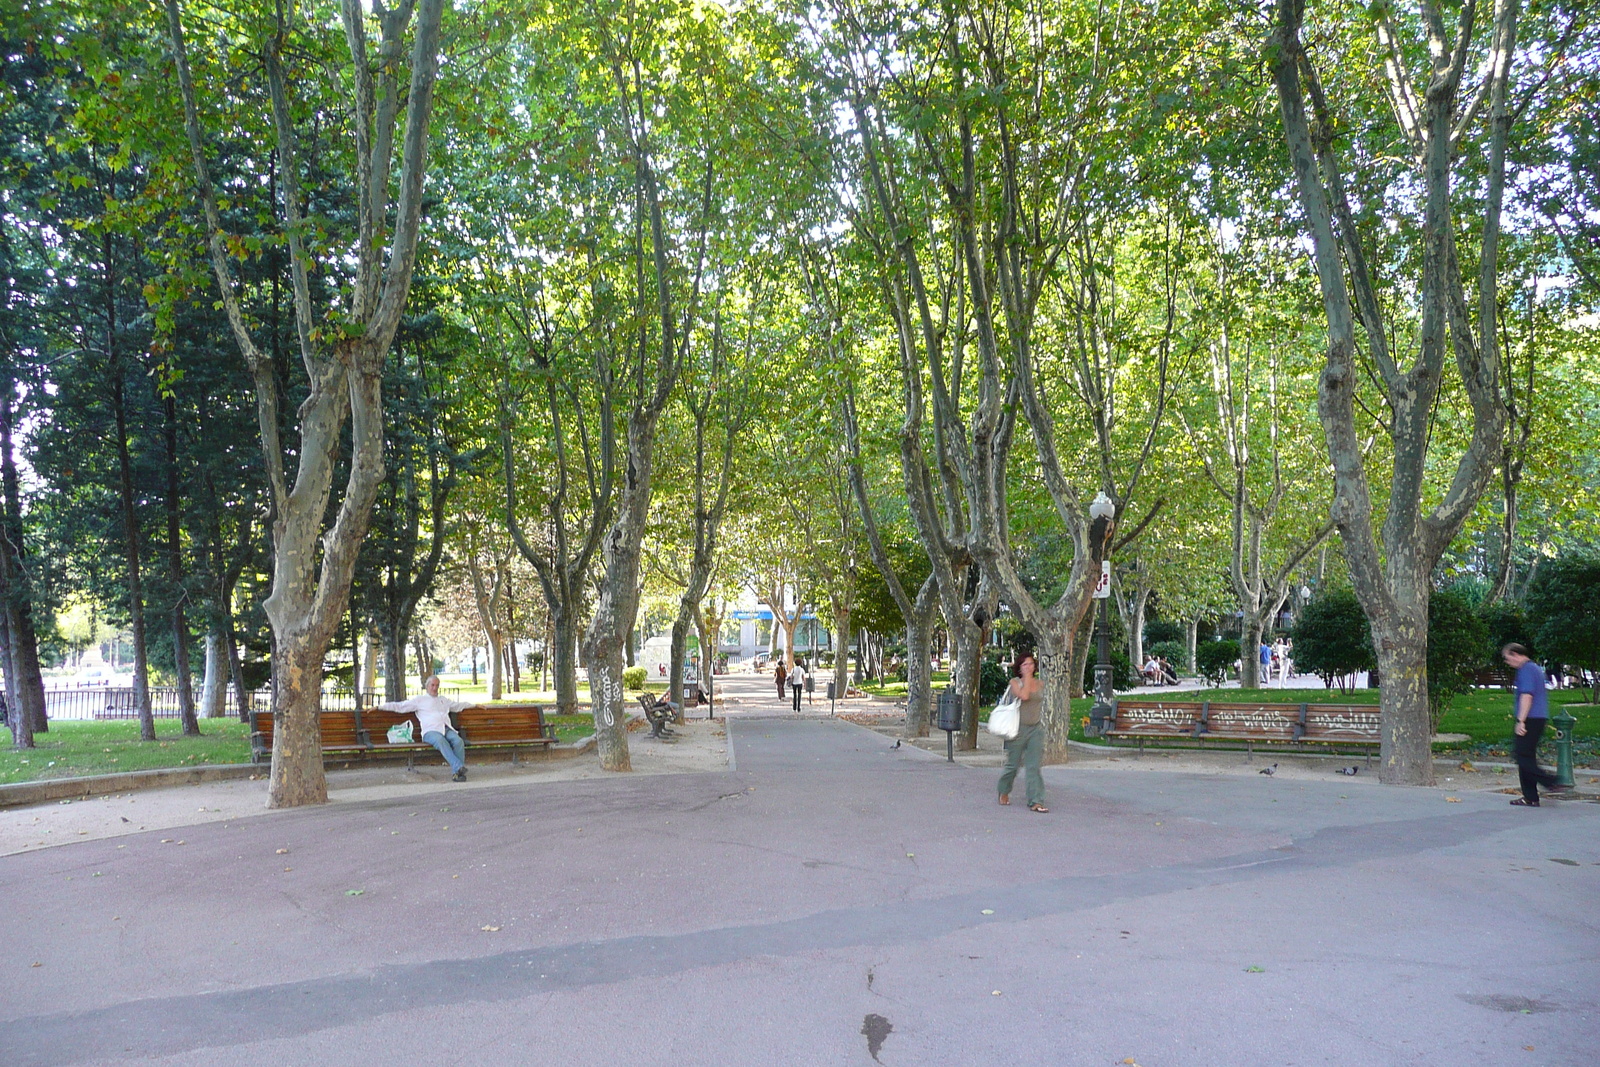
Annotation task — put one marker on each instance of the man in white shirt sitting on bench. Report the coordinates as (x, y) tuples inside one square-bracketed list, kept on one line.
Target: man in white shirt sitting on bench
[(433, 715)]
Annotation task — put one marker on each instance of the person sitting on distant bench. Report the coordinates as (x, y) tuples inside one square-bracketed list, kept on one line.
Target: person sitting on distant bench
[(433, 715)]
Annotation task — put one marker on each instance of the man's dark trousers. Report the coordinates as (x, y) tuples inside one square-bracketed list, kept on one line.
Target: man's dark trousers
[(1526, 749)]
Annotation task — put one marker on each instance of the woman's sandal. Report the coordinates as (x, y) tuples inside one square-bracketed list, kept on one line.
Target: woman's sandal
[(1040, 808), (1005, 798), (1524, 802)]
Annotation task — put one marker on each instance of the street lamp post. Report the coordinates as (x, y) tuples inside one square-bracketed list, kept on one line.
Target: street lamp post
[(1102, 513)]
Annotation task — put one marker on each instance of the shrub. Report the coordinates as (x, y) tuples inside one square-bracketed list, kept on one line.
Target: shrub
[(1563, 603), (1121, 670), (1506, 624), (1215, 659), (1160, 631), (1175, 653), (633, 677), (1456, 638), (992, 681), (1332, 637)]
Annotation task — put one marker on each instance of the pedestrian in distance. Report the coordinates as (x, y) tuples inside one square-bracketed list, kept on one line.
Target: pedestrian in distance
[(778, 675), (1027, 748), (797, 681), (433, 715), (1532, 710)]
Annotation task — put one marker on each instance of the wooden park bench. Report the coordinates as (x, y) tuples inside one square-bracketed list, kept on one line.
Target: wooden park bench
[(1206, 723), (514, 728), (341, 735)]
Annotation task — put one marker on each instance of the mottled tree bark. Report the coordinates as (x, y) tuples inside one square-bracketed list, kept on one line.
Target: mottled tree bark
[(1392, 568), (313, 564)]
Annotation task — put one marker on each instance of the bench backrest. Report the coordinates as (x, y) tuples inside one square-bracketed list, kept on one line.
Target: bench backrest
[(1164, 718), (485, 724), (1343, 722), (340, 729), (375, 724), (1268, 722)]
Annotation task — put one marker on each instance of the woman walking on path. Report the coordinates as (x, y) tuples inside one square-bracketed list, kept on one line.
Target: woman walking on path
[(780, 676), (1028, 746)]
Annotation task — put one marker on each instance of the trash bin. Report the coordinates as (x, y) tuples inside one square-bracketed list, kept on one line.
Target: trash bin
[(947, 710)]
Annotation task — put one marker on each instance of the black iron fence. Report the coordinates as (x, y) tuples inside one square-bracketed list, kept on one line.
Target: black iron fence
[(112, 702)]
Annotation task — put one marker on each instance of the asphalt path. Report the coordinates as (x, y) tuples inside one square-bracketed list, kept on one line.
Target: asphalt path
[(829, 900)]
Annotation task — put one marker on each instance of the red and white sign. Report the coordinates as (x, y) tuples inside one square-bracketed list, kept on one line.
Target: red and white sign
[(1102, 588)]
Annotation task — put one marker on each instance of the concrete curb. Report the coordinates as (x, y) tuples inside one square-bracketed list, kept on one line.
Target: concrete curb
[(22, 794)]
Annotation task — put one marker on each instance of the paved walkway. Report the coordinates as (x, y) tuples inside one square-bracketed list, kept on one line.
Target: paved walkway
[(827, 898)]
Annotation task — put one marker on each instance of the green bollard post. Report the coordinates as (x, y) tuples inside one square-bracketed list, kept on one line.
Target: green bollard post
[(1563, 723)]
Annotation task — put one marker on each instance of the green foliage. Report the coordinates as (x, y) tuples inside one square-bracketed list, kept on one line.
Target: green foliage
[(1563, 605), (633, 678), (1214, 660), (1159, 631), (1122, 673), (1332, 637), (1506, 624), (1456, 638), (1174, 652), (992, 681)]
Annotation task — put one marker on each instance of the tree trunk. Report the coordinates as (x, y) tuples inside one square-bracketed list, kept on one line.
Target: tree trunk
[(236, 669), (679, 650), (1082, 644), (130, 544), (841, 652), (919, 653), (17, 718), (24, 681), (1406, 749), (1251, 627), (394, 660), (214, 690), (1056, 660), (297, 775), (563, 661), (180, 625)]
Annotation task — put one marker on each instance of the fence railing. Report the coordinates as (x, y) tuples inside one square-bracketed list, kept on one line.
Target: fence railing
[(116, 702)]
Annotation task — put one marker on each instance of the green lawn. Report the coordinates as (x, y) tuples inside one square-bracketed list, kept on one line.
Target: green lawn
[(73, 749), (898, 690)]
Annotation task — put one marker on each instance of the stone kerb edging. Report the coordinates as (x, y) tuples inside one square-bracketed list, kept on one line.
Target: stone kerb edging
[(21, 794)]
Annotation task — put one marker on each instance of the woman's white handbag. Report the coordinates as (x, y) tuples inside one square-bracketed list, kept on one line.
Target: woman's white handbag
[(1006, 718)]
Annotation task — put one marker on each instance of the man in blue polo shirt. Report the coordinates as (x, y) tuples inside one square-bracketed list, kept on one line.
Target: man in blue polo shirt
[(1532, 709)]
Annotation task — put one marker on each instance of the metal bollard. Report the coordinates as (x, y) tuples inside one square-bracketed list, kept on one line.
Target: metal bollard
[(1562, 723)]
